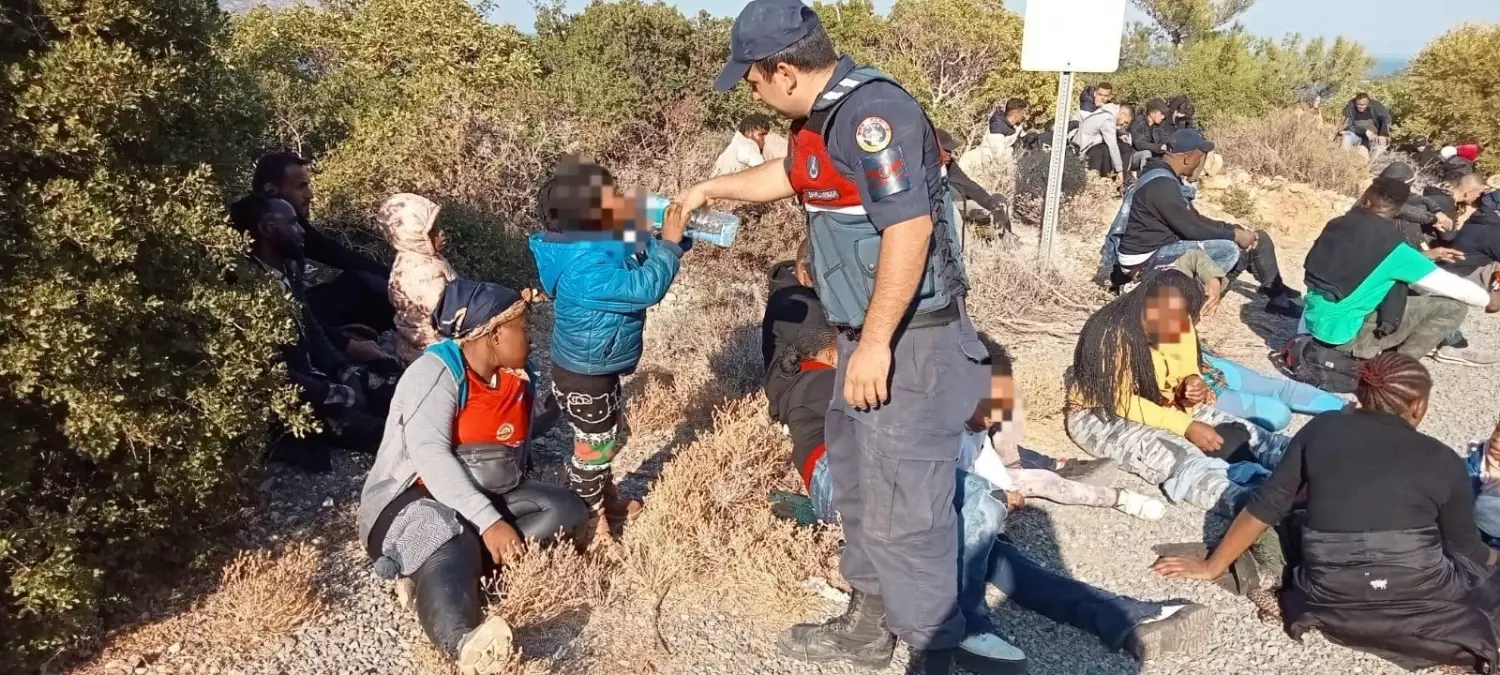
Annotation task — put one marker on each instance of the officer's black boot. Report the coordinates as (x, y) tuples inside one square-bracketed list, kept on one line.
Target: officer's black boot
[(859, 636), (932, 662)]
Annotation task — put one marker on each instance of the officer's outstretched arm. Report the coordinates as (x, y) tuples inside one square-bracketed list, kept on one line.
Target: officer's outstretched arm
[(762, 184)]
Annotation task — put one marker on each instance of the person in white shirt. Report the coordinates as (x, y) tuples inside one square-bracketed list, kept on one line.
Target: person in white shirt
[(746, 149)]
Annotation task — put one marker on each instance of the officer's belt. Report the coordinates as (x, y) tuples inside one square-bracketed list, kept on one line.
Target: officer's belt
[(938, 317)]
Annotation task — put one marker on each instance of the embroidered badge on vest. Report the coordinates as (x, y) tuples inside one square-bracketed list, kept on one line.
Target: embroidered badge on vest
[(812, 167), (873, 134), (885, 173)]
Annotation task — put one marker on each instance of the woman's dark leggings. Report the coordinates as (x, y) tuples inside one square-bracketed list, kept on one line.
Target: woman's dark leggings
[(448, 595)]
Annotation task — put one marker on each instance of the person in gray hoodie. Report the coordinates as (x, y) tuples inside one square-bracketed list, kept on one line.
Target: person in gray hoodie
[(448, 499), (1098, 139)]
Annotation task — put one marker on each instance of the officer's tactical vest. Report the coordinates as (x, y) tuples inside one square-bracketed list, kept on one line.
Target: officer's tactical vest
[(845, 245)]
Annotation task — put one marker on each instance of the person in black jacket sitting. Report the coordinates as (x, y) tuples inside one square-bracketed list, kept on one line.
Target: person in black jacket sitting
[(1399, 571), (1160, 225), (1367, 122), (349, 401), (1149, 134), (975, 204), (358, 294)]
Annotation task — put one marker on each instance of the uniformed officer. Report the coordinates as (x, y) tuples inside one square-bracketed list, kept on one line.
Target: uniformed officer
[(864, 161)]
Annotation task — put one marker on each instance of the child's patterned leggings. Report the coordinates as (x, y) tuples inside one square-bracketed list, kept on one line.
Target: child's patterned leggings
[(591, 405)]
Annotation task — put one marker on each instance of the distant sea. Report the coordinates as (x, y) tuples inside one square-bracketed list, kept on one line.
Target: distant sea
[(1388, 65)]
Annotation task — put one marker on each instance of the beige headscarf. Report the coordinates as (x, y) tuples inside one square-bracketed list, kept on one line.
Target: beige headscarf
[(419, 274)]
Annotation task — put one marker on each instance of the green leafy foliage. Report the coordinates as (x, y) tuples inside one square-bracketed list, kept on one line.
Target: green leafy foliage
[(135, 373), (1449, 93)]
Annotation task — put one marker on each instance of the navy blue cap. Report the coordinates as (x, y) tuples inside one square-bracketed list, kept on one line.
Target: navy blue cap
[(763, 28), (1187, 140), (468, 305)]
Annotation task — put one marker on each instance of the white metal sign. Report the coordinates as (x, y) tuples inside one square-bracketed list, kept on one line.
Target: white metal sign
[(1078, 36)]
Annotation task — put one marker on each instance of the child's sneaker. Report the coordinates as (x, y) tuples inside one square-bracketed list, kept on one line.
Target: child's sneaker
[(1140, 506)]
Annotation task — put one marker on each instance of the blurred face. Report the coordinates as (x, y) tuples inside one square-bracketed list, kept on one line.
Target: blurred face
[(1103, 96), (439, 240), (945, 156), (783, 91), (617, 208), (1166, 318), (1362, 105), (1016, 116), (1125, 117), (1155, 117), (759, 136), (280, 230), (999, 406), (296, 188), (1192, 160)]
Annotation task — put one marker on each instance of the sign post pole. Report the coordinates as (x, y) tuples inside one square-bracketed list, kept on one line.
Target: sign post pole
[(1055, 166), (1068, 37)]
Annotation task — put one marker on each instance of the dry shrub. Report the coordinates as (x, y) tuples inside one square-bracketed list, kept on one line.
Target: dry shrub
[(707, 538), (702, 346), (262, 595), (544, 584), (1295, 144), (1011, 294)]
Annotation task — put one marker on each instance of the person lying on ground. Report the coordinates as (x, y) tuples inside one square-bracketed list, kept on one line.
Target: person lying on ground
[(974, 203), (602, 273), (449, 498), (1157, 224), (1137, 395), (1236, 389), (1098, 139), (747, 149), (1353, 265), (1398, 571), (1366, 122), (791, 302), (349, 400), (357, 296), (420, 272), (1145, 629)]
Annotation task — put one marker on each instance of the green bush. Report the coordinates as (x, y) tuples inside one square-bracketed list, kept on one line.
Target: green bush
[(135, 376), (1449, 93)]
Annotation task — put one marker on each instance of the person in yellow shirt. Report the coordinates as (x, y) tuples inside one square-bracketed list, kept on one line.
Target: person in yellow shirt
[(1137, 395)]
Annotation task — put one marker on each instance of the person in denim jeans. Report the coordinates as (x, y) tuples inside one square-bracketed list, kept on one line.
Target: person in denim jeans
[(986, 556)]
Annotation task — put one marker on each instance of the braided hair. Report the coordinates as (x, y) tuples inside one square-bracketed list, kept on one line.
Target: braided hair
[(1113, 338), (1391, 383), (812, 338)]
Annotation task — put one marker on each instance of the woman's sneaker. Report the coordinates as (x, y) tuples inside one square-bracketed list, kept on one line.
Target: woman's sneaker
[(1173, 630), (1140, 506), (486, 649)]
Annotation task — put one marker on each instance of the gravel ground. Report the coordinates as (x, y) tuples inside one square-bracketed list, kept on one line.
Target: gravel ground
[(364, 632)]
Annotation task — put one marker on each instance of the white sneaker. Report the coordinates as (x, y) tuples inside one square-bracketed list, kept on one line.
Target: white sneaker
[(989, 654), (1469, 356), (486, 649), (1140, 506)]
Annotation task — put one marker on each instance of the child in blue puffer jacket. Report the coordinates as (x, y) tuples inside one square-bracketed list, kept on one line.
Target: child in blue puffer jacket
[(603, 271)]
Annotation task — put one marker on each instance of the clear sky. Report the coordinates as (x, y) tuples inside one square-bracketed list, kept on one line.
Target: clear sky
[(1386, 27)]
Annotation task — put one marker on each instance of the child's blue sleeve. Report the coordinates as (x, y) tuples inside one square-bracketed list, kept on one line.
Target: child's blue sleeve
[(633, 288)]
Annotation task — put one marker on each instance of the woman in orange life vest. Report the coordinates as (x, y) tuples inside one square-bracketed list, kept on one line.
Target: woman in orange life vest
[(448, 498)]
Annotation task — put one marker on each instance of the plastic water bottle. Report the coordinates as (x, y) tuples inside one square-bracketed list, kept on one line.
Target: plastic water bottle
[(706, 225)]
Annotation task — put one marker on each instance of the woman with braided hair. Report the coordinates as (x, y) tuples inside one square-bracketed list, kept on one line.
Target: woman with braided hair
[(1389, 559), (1138, 396)]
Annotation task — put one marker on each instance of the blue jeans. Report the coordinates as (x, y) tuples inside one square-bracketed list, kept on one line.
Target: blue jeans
[(1267, 401), (986, 556), (1224, 252)]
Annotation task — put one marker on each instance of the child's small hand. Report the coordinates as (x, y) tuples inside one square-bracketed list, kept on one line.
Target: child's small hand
[(674, 222)]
